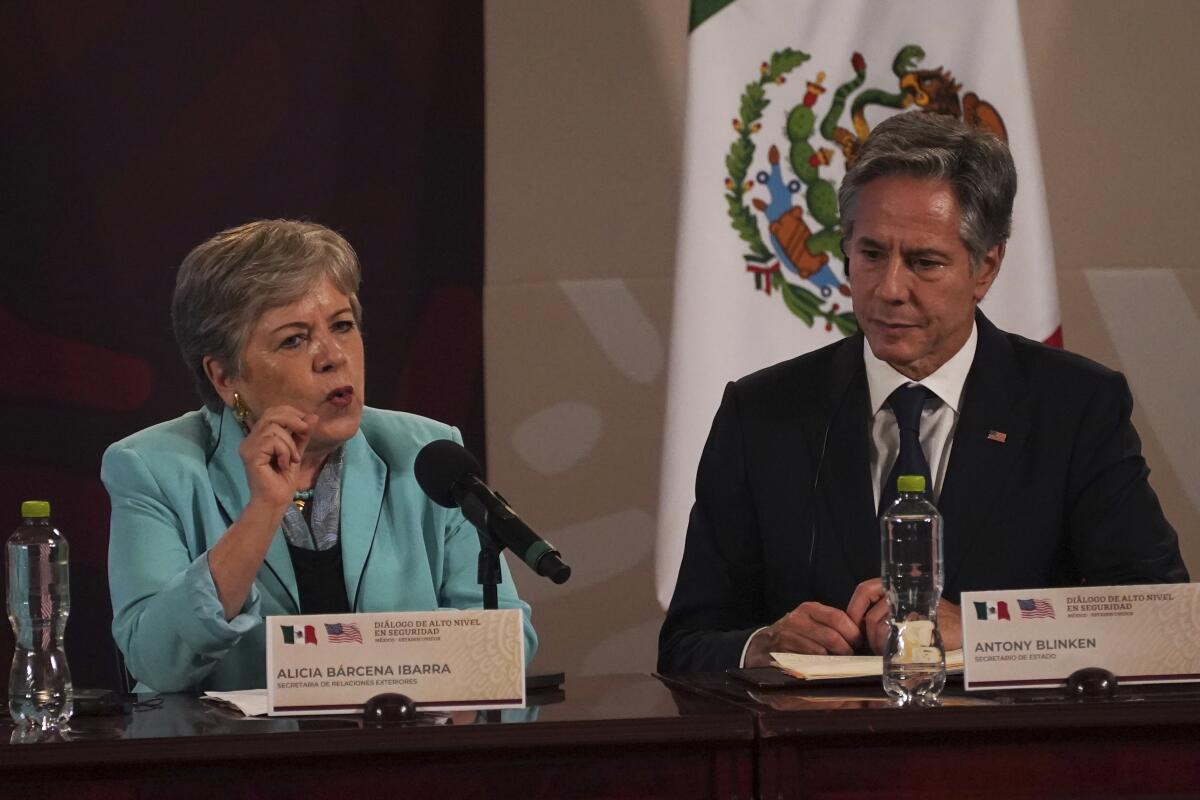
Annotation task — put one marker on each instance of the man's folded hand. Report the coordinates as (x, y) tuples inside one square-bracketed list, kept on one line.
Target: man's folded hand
[(810, 628)]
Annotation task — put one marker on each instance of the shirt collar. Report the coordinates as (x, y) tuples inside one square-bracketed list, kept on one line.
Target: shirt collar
[(946, 382)]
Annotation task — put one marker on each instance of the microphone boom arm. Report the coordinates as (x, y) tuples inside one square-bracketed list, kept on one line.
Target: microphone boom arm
[(495, 519)]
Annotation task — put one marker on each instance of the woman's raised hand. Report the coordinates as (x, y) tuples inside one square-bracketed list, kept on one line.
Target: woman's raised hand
[(271, 454)]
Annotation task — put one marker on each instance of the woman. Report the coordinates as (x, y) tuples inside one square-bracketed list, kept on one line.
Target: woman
[(285, 494)]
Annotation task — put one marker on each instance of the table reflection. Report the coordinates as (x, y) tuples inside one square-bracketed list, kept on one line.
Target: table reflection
[(158, 716)]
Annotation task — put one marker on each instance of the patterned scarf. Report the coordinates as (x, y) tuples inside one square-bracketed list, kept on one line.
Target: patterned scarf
[(326, 508)]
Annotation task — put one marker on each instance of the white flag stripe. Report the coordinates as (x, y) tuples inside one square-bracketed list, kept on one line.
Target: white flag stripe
[(722, 327)]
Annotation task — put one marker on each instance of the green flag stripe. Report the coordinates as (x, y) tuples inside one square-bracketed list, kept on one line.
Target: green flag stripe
[(702, 10)]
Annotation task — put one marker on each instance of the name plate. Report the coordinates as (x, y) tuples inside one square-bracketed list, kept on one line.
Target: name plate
[(1038, 637), (443, 660)]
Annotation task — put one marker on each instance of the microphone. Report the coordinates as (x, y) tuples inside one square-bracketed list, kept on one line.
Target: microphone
[(449, 474)]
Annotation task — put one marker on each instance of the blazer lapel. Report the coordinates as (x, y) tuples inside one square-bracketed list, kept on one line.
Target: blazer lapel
[(991, 431), (364, 477), (844, 480), (227, 475)]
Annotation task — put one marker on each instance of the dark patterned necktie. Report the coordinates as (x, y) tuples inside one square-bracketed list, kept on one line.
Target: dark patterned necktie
[(906, 403)]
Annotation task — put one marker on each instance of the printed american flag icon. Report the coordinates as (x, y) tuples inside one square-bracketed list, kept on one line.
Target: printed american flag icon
[(1036, 609), (343, 632), (997, 436)]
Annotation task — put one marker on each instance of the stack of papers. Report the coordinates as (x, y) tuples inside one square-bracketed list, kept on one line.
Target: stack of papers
[(251, 702), (815, 668)]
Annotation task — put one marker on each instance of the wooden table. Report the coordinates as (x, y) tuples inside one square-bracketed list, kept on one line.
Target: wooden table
[(615, 736), (849, 743), (636, 736)]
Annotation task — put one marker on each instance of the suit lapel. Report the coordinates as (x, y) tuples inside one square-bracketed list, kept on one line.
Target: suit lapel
[(844, 482), (364, 476), (991, 431), (227, 475)]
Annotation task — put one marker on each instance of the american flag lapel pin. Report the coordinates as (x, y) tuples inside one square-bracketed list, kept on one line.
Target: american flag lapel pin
[(997, 436)]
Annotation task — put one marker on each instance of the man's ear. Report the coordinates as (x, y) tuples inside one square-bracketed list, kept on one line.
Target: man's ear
[(221, 379), (989, 268)]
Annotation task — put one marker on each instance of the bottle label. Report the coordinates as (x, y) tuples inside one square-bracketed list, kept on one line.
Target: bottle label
[(915, 645)]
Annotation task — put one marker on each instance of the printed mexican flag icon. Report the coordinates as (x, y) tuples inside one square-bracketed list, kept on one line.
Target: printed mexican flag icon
[(298, 635), (992, 610)]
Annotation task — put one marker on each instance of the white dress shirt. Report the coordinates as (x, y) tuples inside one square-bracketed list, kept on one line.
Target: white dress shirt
[(939, 417)]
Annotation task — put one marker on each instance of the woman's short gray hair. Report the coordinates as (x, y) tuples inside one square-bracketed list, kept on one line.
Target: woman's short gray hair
[(977, 165), (229, 281)]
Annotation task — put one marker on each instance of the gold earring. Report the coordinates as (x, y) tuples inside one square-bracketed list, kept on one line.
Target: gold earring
[(241, 411)]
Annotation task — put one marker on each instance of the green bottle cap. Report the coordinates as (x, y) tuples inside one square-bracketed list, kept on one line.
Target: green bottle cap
[(911, 483), (33, 509)]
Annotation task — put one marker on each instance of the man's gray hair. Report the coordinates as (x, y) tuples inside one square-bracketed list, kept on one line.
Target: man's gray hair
[(977, 165), (229, 281)]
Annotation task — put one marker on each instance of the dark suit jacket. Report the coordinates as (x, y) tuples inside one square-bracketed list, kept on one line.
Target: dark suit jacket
[(785, 513)]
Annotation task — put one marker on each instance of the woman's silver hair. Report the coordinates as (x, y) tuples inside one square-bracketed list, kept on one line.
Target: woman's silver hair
[(229, 281), (976, 164)]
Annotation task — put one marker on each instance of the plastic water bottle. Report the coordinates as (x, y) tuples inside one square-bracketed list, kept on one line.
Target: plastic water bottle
[(914, 663), (39, 600)]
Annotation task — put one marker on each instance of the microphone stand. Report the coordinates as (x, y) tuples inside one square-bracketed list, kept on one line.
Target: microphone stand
[(490, 577), (489, 568), (489, 573)]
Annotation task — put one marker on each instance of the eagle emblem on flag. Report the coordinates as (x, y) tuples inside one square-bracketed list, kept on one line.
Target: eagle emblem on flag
[(785, 210)]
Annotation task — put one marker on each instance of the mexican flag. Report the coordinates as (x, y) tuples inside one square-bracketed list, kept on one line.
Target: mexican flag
[(780, 94), (998, 610), (298, 635)]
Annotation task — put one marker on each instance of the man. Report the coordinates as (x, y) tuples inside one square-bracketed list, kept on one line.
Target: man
[(1028, 450)]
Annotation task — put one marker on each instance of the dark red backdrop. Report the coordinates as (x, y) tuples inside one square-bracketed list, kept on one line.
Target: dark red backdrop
[(131, 131)]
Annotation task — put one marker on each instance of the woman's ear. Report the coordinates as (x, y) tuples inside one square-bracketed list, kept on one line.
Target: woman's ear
[(221, 379)]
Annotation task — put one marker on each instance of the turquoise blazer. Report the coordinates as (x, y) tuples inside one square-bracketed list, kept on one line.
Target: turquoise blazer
[(177, 486)]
